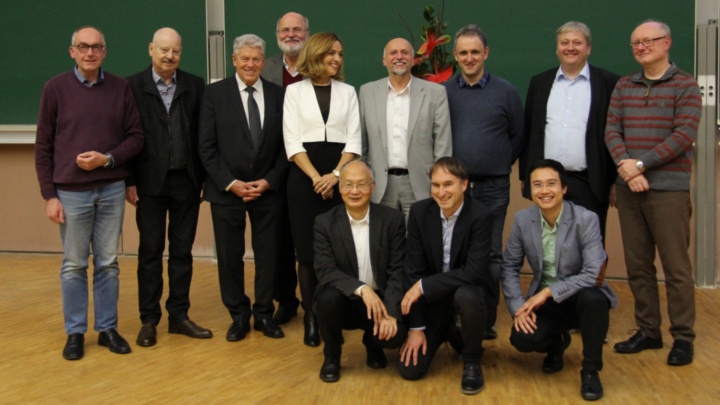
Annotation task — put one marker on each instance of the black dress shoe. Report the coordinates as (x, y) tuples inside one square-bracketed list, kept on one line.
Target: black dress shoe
[(312, 335), (637, 343), (147, 336), (113, 341), (330, 371), (376, 358), (472, 379), (491, 333), (554, 362), (591, 388), (681, 353), (237, 331), (269, 328), (283, 315), (74, 347), (189, 329)]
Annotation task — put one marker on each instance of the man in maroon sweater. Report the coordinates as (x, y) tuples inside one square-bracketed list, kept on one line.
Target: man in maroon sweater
[(88, 127)]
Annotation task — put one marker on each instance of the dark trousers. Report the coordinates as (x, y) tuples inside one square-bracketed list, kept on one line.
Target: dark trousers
[(588, 311), (336, 312), (229, 228), (495, 193), (580, 193), (650, 220), (285, 276), (467, 303), (179, 202)]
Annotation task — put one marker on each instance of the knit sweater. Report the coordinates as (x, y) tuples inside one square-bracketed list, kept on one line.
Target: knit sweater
[(657, 124), (75, 118), (487, 125)]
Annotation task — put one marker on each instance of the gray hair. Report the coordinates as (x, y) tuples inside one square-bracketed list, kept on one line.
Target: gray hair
[(575, 26), (72, 37), (663, 27), (472, 30), (307, 22), (249, 40), (364, 163)]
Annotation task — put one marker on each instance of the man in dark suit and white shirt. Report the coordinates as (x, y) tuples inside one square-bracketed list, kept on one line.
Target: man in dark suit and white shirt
[(565, 114), (164, 182), (241, 147), (359, 251), (563, 247), (446, 265)]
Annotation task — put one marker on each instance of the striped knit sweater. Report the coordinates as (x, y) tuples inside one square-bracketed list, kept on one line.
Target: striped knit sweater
[(656, 124)]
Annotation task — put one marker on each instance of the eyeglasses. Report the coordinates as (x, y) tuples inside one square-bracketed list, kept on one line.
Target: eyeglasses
[(539, 185), (294, 30), (362, 187), (645, 42), (83, 48)]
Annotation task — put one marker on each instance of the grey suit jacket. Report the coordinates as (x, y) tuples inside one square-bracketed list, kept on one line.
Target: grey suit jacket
[(429, 135), (336, 262), (579, 255), (273, 70)]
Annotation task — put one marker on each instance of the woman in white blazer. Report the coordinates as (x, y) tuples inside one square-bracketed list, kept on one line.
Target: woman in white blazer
[(321, 127)]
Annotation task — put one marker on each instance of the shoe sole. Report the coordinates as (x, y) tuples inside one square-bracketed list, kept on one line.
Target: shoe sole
[(471, 392), (72, 358), (146, 344), (625, 351), (116, 351), (679, 363), (178, 332)]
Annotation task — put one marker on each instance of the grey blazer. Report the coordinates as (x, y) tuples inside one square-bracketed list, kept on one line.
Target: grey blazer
[(273, 69), (579, 255), (429, 135)]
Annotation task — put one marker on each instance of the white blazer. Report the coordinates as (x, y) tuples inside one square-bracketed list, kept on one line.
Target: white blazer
[(303, 122)]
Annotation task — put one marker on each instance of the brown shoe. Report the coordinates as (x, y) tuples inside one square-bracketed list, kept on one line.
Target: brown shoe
[(147, 336), (190, 329)]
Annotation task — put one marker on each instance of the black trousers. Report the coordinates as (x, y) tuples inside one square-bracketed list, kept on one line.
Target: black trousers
[(588, 311), (285, 276), (468, 303), (580, 193), (336, 312), (229, 228), (179, 203)]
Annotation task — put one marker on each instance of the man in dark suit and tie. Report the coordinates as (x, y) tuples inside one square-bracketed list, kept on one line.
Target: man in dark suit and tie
[(241, 147), (446, 265), (359, 251), (164, 182), (563, 247), (565, 113)]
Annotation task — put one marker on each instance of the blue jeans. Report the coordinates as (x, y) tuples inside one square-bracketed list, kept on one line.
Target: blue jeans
[(495, 193), (93, 217)]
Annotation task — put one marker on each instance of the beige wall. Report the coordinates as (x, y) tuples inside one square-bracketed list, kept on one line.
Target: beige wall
[(25, 228)]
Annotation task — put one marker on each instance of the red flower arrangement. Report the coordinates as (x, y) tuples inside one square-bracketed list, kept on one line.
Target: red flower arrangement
[(432, 62)]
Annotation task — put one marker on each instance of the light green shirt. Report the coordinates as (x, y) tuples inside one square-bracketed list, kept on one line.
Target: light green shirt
[(549, 236)]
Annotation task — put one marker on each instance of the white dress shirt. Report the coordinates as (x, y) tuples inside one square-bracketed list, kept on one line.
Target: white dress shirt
[(398, 117), (568, 109), (259, 98), (361, 239)]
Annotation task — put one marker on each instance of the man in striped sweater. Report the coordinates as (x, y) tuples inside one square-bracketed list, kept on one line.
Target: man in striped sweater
[(651, 126)]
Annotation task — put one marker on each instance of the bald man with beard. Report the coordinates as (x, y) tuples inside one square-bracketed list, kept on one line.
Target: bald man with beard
[(165, 181)]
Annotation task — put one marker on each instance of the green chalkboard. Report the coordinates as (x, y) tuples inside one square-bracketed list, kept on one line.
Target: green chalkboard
[(36, 35), (521, 33)]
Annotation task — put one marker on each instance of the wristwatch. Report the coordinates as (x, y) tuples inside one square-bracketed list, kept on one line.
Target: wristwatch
[(109, 162), (336, 172), (640, 165)]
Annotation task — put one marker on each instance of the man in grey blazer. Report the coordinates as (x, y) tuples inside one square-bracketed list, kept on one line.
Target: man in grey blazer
[(564, 249), (359, 251), (292, 32), (405, 125)]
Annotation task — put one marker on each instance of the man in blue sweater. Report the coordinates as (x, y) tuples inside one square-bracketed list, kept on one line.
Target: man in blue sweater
[(486, 117)]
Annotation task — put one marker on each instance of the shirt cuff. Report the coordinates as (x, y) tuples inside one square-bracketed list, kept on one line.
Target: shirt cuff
[(421, 287), (418, 328), (229, 186), (357, 290)]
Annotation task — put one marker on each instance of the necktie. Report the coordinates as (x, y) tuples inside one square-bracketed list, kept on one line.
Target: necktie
[(254, 113)]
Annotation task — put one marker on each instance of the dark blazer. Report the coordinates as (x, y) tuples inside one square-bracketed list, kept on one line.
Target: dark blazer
[(149, 168), (600, 166), (336, 262), (579, 256), (226, 148), (469, 252)]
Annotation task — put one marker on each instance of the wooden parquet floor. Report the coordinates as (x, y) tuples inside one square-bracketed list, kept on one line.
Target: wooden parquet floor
[(262, 370)]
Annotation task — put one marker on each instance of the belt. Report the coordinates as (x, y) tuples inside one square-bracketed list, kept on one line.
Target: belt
[(398, 172)]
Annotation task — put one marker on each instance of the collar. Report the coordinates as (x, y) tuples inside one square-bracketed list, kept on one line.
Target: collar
[(83, 80), (156, 77), (366, 219), (401, 92), (543, 222), (454, 214), (480, 84), (585, 72), (242, 86)]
